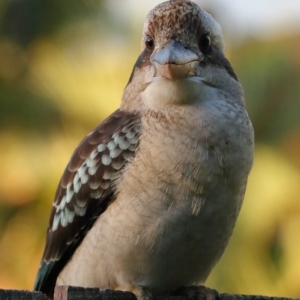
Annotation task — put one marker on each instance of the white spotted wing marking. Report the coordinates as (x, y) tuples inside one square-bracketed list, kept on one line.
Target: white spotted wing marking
[(109, 157)]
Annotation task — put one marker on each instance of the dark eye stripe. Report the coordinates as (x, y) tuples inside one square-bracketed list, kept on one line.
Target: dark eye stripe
[(216, 58), (142, 61)]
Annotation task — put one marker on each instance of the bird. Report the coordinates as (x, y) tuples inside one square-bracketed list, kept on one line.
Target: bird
[(150, 197)]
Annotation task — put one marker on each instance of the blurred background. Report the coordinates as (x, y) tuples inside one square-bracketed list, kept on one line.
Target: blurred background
[(63, 67)]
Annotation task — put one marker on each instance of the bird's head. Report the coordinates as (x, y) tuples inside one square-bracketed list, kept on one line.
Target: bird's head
[(182, 56)]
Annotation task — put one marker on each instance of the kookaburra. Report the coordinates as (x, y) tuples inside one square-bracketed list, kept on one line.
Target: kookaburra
[(150, 197)]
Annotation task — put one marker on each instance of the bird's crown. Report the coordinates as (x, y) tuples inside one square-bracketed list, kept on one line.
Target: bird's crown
[(183, 20)]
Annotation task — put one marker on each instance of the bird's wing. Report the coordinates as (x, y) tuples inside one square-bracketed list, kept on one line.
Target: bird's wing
[(85, 190)]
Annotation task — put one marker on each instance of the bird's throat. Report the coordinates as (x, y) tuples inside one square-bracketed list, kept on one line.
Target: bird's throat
[(163, 91)]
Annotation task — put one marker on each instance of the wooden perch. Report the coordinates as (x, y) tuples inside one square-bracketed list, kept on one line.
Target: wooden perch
[(21, 295), (78, 293)]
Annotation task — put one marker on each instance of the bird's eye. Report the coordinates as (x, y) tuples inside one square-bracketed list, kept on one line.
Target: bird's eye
[(149, 43), (204, 43)]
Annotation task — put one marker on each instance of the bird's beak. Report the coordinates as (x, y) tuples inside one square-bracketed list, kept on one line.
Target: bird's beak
[(174, 61)]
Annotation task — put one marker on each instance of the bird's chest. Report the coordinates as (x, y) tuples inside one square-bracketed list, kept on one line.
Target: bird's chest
[(182, 173), (185, 154)]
